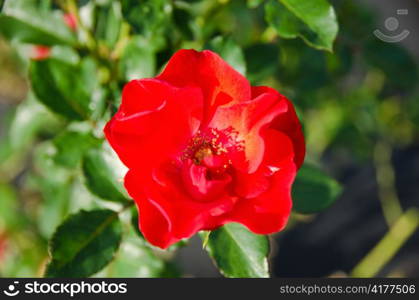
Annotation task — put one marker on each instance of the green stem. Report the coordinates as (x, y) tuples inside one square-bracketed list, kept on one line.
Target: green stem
[(386, 183), (391, 243), (123, 39), (126, 206), (205, 238), (91, 44)]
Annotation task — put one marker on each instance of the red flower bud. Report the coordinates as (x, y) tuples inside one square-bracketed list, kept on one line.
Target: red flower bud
[(71, 21), (204, 148), (3, 244), (39, 52)]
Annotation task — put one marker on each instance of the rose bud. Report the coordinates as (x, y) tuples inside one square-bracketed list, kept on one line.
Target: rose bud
[(39, 52), (71, 21), (3, 245)]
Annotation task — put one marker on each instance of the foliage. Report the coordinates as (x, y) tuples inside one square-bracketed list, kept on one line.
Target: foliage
[(54, 159)]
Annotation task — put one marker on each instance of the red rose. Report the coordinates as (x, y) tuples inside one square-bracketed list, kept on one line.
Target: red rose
[(204, 148)]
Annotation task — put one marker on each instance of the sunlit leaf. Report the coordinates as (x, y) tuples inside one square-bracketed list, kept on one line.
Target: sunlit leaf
[(84, 244), (314, 21), (8, 207), (313, 190), (137, 259), (72, 145), (104, 174), (108, 25), (54, 184), (239, 253), (138, 60), (25, 21), (60, 87)]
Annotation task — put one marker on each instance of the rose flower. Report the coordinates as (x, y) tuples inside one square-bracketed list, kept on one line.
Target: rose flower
[(205, 148)]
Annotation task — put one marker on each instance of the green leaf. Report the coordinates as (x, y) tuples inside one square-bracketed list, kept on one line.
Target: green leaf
[(230, 52), (56, 197), (150, 18), (71, 146), (54, 184), (136, 258), (314, 21), (182, 19), (65, 54), (254, 3), (238, 252), (84, 244), (58, 86), (8, 207), (313, 190), (109, 20), (25, 21), (104, 174), (138, 59), (27, 120), (69, 90)]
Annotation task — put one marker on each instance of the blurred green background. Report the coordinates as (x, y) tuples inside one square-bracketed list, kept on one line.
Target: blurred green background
[(359, 106)]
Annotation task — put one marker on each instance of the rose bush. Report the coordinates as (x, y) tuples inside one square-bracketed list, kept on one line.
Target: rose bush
[(205, 148)]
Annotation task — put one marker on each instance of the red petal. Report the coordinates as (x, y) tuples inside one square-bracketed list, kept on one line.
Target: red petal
[(287, 123), (251, 185), (219, 82), (40, 52), (154, 122), (279, 149), (197, 184), (167, 214), (153, 221), (71, 21), (250, 119), (143, 95), (269, 212)]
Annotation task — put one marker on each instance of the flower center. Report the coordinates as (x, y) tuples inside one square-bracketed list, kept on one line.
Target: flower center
[(201, 154), (212, 143)]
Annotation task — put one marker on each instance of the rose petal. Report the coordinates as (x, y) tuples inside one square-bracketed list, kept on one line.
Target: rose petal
[(288, 123), (199, 186), (269, 212), (168, 214), (250, 119), (219, 82), (139, 131)]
